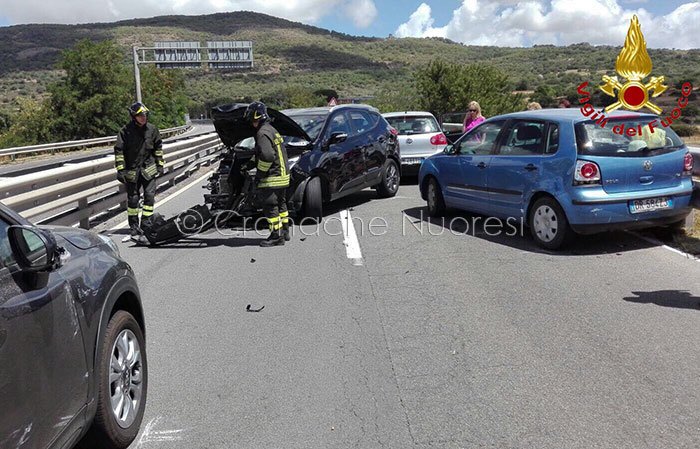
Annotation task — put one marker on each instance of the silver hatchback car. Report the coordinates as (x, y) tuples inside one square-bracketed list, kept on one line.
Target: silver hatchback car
[(420, 136)]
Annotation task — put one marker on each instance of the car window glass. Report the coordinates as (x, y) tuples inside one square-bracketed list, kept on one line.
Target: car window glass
[(625, 138), (311, 123), (407, 125), (361, 121), (524, 138), (553, 138), (481, 139), (6, 257), (337, 124)]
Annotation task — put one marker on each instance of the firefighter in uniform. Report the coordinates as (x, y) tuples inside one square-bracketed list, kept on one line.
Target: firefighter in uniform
[(272, 175), (138, 156)]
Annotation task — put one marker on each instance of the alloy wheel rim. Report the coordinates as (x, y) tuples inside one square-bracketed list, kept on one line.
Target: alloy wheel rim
[(546, 223), (392, 178), (125, 378)]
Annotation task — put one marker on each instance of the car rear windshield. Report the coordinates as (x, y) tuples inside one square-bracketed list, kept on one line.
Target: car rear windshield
[(626, 138), (408, 124), (310, 123)]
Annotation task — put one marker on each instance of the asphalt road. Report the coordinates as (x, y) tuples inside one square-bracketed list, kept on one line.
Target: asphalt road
[(431, 339)]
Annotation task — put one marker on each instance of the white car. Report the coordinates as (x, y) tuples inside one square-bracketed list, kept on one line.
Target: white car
[(420, 136)]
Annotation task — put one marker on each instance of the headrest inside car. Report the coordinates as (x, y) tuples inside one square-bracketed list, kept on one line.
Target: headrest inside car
[(528, 132)]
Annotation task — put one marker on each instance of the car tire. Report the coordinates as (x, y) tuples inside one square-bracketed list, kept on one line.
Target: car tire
[(313, 199), (391, 179), (548, 224), (436, 202), (116, 428)]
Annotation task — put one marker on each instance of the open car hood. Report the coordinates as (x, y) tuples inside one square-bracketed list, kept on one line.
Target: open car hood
[(231, 128)]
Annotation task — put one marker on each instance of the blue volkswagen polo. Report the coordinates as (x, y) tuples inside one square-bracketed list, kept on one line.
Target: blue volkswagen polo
[(562, 173)]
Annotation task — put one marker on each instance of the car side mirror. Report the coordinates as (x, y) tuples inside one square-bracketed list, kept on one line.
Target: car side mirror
[(450, 149), (335, 138), (34, 249)]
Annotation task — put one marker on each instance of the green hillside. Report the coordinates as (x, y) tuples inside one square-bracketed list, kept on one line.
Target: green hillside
[(289, 54)]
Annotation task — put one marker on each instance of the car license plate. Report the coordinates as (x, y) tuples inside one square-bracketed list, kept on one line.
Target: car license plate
[(650, 204), (411, 160)]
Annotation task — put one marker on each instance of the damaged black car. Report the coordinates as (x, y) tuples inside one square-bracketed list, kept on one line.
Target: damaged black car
[(332, 151)]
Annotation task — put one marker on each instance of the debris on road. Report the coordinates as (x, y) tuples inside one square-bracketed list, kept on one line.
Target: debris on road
[(250, 309), (252, 260)]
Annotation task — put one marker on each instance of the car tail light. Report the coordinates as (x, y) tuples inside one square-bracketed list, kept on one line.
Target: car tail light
[(586, 173), (438, 139), (393, 131), (688, 164)]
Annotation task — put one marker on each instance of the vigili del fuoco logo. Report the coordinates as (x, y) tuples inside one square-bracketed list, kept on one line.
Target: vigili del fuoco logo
[(633, 65)]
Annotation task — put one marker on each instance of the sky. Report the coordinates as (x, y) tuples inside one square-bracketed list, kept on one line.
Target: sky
[(512, 23)]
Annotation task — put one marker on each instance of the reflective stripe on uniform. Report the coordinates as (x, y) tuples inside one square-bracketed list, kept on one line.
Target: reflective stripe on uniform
[(274, 223), (275, 181), (283, 169), (132, 211), (284, 217), (150, 170), (264, 166)]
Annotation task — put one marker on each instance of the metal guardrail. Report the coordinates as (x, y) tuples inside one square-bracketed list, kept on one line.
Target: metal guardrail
[(51, 147), (74, 193)]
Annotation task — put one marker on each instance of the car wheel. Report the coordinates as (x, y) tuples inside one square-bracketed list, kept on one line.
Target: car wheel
[(391, 178), (548, 224), (436, 203), (122, 384), (313, 199)]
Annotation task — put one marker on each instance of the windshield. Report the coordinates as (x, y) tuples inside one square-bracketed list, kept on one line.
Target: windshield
[(310, 123), (626, 138), (407, 125)]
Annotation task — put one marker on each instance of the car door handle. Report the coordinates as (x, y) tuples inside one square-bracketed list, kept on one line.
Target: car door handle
[(530, 167), (481, 165)]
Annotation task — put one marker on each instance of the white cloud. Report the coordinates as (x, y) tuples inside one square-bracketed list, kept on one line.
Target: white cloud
[(361, 12), (559, 22), (420, 22)]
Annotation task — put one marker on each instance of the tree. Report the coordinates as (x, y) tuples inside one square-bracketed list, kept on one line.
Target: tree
[(443, 87), (435, 84), (545, 95), (396, 97), (294, 97), (163, 94), (91, 100), (29, 127)]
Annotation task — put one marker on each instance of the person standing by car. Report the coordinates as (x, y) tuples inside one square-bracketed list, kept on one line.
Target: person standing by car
[(138, 156), (474, 116), (272, 175)]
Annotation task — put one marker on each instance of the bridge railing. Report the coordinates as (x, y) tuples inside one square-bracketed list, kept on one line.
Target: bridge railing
[(77, 144), (75, 192)]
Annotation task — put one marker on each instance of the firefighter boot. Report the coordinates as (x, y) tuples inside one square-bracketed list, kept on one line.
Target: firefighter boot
[(275, 239), (134, 225), (285, 232)]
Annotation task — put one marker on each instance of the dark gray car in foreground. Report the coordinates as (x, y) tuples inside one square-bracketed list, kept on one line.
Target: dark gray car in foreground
[(72, 347)]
